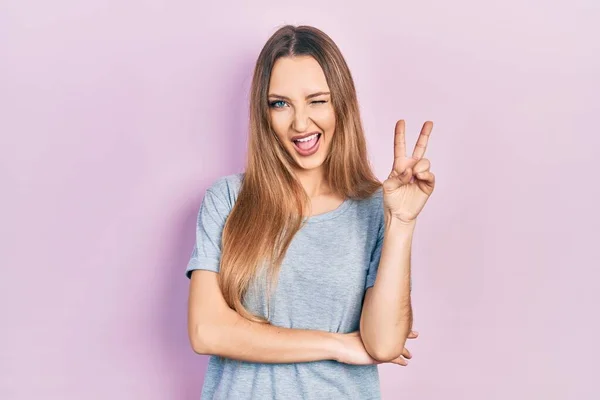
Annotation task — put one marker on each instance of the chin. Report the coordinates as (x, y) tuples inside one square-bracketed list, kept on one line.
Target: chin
[(307, 166)]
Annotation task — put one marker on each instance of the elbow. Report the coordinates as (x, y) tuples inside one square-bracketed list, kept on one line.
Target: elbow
[(385, 349), (386, 354), (208, 331), (201, 338)]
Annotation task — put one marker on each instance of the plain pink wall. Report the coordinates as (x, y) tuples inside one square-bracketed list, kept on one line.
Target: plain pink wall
[(115, 117)]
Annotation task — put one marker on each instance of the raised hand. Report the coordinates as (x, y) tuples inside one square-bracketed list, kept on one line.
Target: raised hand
[(409, 185)]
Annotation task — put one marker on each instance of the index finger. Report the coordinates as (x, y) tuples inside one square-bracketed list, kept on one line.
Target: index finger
[(399, 142), (421, 145)]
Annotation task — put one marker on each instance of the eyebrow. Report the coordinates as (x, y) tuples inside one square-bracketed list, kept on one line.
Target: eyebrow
[(310, 96)]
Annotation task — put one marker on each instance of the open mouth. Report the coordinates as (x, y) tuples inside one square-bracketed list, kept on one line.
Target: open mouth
[(308, 145)]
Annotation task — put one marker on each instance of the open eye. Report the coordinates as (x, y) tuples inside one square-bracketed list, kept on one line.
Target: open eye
[(277, 103)]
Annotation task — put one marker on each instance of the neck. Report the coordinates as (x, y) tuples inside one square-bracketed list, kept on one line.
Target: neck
[(314, 182)]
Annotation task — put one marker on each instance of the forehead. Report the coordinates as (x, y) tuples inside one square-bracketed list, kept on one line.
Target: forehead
[(299, 75)]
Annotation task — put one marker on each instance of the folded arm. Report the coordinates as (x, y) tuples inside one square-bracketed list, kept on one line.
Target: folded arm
[(216, 329)]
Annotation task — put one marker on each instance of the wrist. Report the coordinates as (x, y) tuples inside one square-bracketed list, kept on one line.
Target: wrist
[(395, 224), (335, 346)]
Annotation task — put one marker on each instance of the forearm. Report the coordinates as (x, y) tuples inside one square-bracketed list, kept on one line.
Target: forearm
[(238, 338), (386, 318)]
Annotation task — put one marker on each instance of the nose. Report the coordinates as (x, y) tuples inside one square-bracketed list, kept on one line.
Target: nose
[(300, 122)]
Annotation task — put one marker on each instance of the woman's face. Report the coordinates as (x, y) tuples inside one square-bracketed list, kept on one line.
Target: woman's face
[(300, 107)]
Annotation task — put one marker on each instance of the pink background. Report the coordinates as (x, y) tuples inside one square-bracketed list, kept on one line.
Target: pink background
[(115, 117)]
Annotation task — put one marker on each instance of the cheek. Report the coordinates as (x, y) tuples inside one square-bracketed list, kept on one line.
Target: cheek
[(280, 123), (326, 120)]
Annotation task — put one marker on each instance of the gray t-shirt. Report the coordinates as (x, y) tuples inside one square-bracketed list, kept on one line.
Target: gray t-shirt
[(330, 263)]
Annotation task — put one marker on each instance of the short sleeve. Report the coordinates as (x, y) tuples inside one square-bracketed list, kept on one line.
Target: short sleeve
[(212, 215), (375, 257)]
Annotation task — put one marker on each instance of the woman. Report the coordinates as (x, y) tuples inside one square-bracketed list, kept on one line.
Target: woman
[(300, 277)]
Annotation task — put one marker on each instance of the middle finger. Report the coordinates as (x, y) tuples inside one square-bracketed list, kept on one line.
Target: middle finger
[(421, 145)]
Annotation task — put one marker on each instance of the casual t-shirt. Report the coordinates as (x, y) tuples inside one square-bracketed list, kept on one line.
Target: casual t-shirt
[(330, 263)]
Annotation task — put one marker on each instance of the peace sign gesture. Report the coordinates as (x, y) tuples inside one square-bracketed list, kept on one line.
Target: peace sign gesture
[(410, 183)]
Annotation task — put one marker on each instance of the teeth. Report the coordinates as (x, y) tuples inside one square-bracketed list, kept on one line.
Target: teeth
[(306, 139)]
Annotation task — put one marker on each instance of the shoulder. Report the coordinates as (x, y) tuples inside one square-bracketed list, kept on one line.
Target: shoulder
[(226, 188), (370, 209), (374, 202), (377, 196)]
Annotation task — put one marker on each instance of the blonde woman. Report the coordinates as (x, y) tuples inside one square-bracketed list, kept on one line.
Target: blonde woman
[(300, 276)]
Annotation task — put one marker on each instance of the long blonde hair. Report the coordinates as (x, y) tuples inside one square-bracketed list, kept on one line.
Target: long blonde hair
[(268, 210)]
